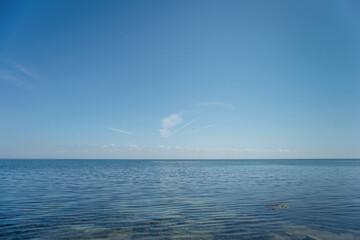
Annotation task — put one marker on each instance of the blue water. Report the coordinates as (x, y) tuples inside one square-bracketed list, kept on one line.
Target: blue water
[(205, 199)]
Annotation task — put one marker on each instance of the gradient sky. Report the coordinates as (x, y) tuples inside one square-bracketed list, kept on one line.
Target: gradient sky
[(179, 79)]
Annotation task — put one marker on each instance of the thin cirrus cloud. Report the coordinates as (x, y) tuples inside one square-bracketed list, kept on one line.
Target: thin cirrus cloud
[(120, 131), (10, 78), (204, 127), (26, 71), (171, 121), (184, 126), (18, 76)]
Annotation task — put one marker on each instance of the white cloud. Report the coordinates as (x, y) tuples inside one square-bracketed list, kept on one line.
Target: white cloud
[(171, 121), (220, 150), (120, 131), (133, 146), (110, 148), (164, 147), (165, 133), (185, 125), (256, 150), (285, 151)]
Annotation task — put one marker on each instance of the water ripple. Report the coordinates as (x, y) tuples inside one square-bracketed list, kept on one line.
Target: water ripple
[(102, 199)]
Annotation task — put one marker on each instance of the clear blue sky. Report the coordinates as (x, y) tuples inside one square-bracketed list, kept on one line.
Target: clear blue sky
[(179, 79)]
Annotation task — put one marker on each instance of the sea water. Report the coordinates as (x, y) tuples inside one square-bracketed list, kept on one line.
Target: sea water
[(179, 199)]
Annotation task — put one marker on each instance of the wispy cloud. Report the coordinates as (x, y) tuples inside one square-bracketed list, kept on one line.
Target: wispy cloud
[(171, 121), (215, 103), (204, 127), (25, 71), (120, 131), (133, 147), (165, 132), (257, 150), (6, 76), (110, 148), (184, 126), (11, 79), (219, 151), (18, 76)]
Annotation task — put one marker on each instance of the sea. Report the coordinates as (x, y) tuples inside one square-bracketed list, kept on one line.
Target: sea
[(180, 199)]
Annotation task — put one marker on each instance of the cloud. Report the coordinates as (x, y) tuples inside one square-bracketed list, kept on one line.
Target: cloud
[(215, 103), (10, 78), (134, 148), (256, 150), (285, 151), (165, 133), (17, 75), (202, 128), (110, 148), (219, 150), (164, 147), (171, 121), (120, 131), (6, 76), (26, 71), (184, 126)]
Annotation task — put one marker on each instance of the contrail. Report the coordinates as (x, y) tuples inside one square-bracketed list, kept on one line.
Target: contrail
[(204, 127), (184, 126), (120, 131)]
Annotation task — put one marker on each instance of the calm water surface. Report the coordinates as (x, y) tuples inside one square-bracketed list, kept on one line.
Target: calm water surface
[(208, 199)]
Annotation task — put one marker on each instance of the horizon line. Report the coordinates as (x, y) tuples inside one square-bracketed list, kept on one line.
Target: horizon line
[(180, 158)]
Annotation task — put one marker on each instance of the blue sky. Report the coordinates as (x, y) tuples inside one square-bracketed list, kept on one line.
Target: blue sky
[(180, 79)]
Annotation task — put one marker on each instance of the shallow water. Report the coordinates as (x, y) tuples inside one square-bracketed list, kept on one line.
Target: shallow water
[(206, 199)]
